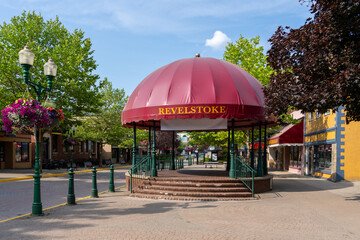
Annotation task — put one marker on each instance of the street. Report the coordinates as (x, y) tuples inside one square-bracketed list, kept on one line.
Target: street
[(16, 197)]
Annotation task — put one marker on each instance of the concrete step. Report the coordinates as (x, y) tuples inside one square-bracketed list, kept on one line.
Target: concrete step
[(188, 198), (192, 184), (192, 194), (195, 189), (198, 180)]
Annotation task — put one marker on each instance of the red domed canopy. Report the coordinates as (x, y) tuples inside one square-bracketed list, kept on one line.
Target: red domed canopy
[(196, 88)]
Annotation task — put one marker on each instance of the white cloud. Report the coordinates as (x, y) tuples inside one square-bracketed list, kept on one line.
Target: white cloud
[(218, 41)]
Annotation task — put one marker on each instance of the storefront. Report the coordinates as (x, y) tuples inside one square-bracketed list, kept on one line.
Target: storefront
[(286, 150), (15, 151)]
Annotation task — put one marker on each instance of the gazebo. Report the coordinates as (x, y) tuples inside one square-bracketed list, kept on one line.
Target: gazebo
[(197, 94)]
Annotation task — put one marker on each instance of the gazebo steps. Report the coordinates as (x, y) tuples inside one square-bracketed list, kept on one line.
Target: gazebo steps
[(188, 183), (195, 180), (187, 198), (192, 189), (194, 194)]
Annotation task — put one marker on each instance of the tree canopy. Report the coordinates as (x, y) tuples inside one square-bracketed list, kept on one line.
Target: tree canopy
[(105, 126), (249, 56), (317, 65), (75, 86)]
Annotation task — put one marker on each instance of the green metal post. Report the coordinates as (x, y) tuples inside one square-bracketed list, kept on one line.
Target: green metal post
[(228, 150), (252, 148), (232, 172), (148, 165), (94, 191), (259, 166), (71, 194), (265, 151), (134, 147), (37, 205), (153, 172), (39, 89), (172, 162), (111, 184)]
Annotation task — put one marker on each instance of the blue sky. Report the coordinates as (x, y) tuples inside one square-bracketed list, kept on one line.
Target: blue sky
[(133, 38)]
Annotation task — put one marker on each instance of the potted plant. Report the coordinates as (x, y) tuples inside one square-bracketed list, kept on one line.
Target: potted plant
[(23, 115)]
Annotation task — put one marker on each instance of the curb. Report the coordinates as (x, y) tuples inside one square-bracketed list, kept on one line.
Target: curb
[(58, 174)]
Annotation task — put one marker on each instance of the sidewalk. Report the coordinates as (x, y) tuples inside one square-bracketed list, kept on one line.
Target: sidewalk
[(297, 208), (7, 175)]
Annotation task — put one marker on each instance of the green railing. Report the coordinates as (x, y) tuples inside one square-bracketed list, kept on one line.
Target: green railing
[(164, 163), (245, 173), (140, 171)]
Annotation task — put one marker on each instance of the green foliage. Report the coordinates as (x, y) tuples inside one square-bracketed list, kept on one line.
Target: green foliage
[(105, 126), (249, 56), (75, 86), (317, 65), (219, 139)]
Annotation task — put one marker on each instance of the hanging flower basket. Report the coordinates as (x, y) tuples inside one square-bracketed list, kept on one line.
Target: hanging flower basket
[(56, 116), (23, 115), (69, 142)]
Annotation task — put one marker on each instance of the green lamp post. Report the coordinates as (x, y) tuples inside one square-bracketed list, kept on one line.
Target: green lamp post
[(71, 195), (26, 59)]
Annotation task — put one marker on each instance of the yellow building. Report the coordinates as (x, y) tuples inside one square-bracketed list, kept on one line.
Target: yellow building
[(332, 149)]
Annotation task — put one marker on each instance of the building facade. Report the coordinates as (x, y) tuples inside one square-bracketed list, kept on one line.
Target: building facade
[(286, 149), (331, 146)]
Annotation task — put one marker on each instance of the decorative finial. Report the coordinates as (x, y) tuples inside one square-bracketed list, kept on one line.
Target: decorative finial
[(197, 55)]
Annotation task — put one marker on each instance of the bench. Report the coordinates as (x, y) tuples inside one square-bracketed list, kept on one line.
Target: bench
[(107, 162), (211, 164), (87, 164), (73, 166)]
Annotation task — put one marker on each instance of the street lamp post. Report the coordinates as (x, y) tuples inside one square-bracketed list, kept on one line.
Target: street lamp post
[(26, 59), (72, 133), (71, 195)]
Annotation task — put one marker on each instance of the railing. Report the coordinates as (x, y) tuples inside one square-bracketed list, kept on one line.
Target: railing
[(139, 172), (245, 173), (164, 163)]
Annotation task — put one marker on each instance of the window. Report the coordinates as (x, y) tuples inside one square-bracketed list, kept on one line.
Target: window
[(21, 152), (318, 115), (54, 143), (85, 146), (2, 152), (80, 147), (311, 116), (327, 112), (322, 157), (295, 157)]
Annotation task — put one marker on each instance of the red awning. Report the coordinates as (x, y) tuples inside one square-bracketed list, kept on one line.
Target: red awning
[(196, 88), (290, 134)]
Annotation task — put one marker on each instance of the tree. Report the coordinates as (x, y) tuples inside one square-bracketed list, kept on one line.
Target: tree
[(105, 126), (164, 140), (249, 56), (317, 65), (75, 88), (219, 139)]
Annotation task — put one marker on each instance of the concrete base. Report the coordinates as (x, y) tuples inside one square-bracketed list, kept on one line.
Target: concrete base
[(263, 184)]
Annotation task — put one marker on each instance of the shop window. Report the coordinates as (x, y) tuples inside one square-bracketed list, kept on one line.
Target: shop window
[(322, 157), (2, 152), (311, 116), (54, 143), (295, 157), (318, 115), (21, 152)]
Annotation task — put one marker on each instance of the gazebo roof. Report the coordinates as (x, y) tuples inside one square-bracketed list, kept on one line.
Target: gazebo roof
[(196, 88)]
